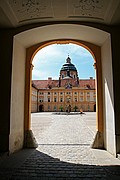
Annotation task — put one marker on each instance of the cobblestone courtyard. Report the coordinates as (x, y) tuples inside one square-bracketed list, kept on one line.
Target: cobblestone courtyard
[(66, 137), (64, 151)]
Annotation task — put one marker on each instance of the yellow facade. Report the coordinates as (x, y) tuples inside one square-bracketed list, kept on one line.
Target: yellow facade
[(34, 100), (58, 99)]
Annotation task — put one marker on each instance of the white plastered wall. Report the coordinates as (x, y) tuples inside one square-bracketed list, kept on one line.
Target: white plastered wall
[(16, 136), (108, 100)]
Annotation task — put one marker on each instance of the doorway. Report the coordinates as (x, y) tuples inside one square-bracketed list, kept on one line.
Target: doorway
[(41, 108), (99, 47)]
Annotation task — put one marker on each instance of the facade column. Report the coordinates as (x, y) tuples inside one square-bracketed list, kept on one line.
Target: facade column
[(29, 139), (98, 142)]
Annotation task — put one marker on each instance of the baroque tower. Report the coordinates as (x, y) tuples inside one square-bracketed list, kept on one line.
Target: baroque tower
[(68, 73)]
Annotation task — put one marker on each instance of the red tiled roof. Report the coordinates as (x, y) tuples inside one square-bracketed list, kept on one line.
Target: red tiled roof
[(47, 84)]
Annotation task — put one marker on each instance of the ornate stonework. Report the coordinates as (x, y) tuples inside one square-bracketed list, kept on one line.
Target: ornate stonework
[(86, 8), (31, 9)]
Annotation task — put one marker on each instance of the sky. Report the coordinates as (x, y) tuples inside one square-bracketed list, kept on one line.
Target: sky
[(48, 61)]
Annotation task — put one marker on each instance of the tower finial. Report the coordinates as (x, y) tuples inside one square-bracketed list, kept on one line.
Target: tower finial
[(68, 60)]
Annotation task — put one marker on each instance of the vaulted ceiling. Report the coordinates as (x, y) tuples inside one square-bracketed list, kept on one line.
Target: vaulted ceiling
[(15, 13)]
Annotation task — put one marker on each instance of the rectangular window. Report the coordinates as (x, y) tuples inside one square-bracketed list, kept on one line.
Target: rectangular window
[(68, 92), (55, 108), (49, 93), (48, 108), (48, 99), (41, 93), (88, 108), (75, 92), (81, 98), (61, 100), (41, 100), (55, 93), (88, 98), (75, 99), (55, 100), (88, 93)]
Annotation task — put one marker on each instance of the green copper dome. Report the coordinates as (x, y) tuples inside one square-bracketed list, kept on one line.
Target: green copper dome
[(68, 66)]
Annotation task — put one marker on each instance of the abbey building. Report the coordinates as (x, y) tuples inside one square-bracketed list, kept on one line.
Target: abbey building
[(68, 93)]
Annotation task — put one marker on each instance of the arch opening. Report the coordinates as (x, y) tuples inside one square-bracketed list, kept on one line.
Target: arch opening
[(98, 42), (56, 70)]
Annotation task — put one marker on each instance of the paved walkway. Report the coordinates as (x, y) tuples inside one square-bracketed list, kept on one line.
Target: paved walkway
[(64, 151)]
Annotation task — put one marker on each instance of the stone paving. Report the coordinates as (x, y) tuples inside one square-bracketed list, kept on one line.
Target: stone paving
[(64, 151), (66, 137)]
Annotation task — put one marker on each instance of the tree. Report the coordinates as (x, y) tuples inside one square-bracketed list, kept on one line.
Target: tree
[(61, 108), (75, 108)]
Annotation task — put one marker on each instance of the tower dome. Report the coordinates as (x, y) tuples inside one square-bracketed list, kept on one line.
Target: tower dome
[(68, 70), (68, 65)]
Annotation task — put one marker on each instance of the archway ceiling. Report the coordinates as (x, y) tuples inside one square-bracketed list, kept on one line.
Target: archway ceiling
[(14, 13), (62, 32)]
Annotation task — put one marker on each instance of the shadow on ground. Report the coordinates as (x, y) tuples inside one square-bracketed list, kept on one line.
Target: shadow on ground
[(33, 164), (68, 113)]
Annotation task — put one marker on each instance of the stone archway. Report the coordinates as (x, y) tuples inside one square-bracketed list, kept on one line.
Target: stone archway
[(95, 51), (99, 44)]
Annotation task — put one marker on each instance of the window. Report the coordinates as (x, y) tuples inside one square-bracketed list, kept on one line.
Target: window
[(61, 92), (88, 98), (55, 108), (55, 93), (81, 98), (41, 93), (48, 108), (75, 99), (75, 93), (68, 92), (49, 93), (55, 100), (41, 100), (94, 99), (48, 99), (88, 108), (61, 99), (81, 93), (88, 92)]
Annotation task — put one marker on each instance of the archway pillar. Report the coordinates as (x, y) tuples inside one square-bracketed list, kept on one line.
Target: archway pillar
[(96, 52), (99, 138), (29, 139)]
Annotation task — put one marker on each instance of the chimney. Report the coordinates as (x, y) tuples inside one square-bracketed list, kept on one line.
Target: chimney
[(49, 78), (91, 77)]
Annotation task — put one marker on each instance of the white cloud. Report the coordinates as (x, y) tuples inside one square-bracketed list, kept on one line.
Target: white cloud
[(48, 61)]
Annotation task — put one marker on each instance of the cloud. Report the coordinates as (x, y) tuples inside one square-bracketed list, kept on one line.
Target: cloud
[(49, 60)]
